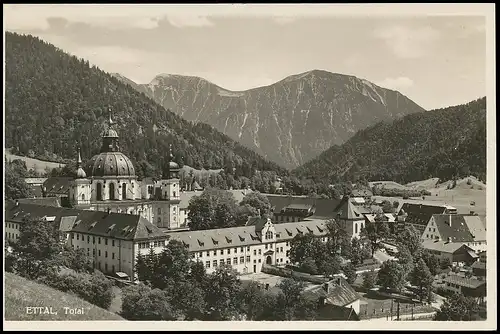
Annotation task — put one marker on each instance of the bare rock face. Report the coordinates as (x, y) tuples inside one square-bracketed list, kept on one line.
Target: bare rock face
[(289, 122)]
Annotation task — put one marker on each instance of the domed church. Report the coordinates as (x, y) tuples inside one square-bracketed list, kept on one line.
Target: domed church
[(107, 182)]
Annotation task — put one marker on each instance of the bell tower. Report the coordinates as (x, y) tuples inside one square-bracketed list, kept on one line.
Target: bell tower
[(80, 190)]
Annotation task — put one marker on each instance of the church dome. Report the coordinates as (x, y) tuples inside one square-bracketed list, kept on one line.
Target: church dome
[(173, 165), (110, 164)]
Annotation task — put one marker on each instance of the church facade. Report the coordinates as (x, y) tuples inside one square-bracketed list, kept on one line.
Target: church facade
[(108, 182)]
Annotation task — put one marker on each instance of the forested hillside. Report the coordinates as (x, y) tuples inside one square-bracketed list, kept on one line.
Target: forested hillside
[(444, 143), (56, 102)]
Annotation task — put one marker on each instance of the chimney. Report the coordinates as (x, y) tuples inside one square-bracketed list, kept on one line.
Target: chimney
[(17, 202), (326, 287), (449, 239), (449, 219), (258, 212), (267, 286)]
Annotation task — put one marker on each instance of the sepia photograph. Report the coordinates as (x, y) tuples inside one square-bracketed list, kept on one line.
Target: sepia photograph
[(249, 166)]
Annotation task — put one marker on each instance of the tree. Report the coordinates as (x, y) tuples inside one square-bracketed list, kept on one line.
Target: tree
[(432, 262), (336, 236), (387, 207), (458, 308), (252, 301), (173, 265), (214, 208), (445, 263), (15, 186), (356, 252), (75, 259), (391, 276), (370, 232), (188, 299), (143, 303), (259, 202), (411, 239), (405, 260), (350, 272), (291, 304), (37, 248), (369, 279), (395, 205), (422, 278), (222, 287)]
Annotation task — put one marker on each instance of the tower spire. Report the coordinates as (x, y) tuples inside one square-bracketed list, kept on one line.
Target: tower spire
[(79, 161), (80, 173), (110, 121)]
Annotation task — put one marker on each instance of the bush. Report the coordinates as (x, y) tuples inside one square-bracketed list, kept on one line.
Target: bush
[(94, 288)]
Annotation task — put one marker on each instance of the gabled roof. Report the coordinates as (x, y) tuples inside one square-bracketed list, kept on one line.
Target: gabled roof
[(243, 236), (479, 265), (463, 281), (258, 222), (336, 313), (476, 227), (443, 246), (340, 293), (57, 185), (420, 214), (113, 225), (387, 217), (455, 226), (346, 210)]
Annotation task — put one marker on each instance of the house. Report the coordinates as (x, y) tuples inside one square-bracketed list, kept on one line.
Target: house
[(455, 252), (469, 287), (349, 217), (294, 212), (463, 229), (336, 292), (366, 194), (482, 256), (113, 240), (47, 201), (321, 208), (479, 269), (247, 248), (418, 215)]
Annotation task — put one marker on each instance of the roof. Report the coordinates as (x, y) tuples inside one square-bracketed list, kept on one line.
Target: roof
[(46, 201), (388, 217), (479, 265), (203, 240), (358, 200), (361, 193), (109, 164), (346, 210), (339, 293), (442, 246), (113, 225), (299, 206), (420, 214), (258, 222), (323, 206), (37, 190), (57, 186), (455, 226), (336, 313), (463, 281)]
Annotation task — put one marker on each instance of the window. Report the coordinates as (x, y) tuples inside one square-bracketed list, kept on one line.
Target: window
[(254, 252), (221, 261), (159, 211), (88, 239), (236, 251), (93, 252), (201, 254), (248, 248), (113, 256), (254, 261), (271, 246), (215, 263), (88, 251), (215, 252), (207, 264), (99, 240), (229, 250), (77, 236), (99, 252), (281, 249), (260, 251), (106, 254), (355, 228), (241, 249), (93, 240), (242, 259), (221, 252), (106, 241), (72, 236), (235, 260), (269, 235), (113, 243), (208, 253), (259, 260), (248, 258), (228, 261), (287, 253), (287, 243)]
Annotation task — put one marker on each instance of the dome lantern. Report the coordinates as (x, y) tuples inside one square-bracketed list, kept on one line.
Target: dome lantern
[(80, 173)]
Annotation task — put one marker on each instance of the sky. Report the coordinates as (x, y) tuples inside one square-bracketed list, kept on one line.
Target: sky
[(437, 61)]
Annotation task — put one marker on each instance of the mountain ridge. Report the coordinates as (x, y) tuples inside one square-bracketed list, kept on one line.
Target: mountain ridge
[(333, 106)]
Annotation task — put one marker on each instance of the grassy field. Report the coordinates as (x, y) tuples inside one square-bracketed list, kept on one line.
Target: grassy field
[(21, 293), (39, 166)]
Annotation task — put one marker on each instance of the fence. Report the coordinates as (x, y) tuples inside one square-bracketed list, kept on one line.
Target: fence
[(405, 311), (286, 272)]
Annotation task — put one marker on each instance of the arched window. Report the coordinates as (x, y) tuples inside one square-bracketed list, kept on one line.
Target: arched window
[(99, 192), (124, 191), (355, 228), (174, 194), (111, 191), (83, 197)]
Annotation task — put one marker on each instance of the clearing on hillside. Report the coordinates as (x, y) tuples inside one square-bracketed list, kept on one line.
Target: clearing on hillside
[(21, 293)]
